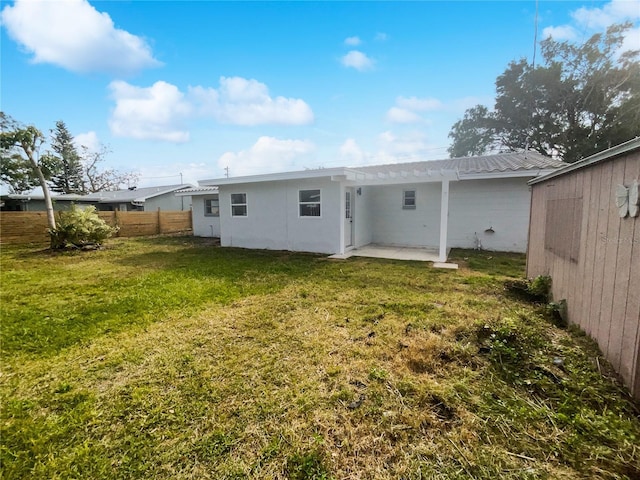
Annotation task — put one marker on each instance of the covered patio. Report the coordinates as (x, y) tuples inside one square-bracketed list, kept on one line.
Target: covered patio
[(417, 254)]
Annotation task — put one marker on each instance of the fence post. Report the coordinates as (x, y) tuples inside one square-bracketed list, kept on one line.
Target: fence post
[(159, 222)]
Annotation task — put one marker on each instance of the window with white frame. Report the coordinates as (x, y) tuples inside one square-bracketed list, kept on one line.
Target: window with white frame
[(238, 204), (212, 206), (409, 199), (309, 203)]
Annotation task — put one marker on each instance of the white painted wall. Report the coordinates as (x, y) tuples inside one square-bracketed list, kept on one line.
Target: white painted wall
[(273, 220), (393, 225), (167, 201), (362, 210), (203, 226), (476, 205)]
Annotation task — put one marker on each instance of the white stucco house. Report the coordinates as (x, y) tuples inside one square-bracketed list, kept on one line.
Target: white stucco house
[(462, 202), (205, 210)]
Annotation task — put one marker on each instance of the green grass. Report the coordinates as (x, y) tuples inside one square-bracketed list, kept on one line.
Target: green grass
[(172, 358)]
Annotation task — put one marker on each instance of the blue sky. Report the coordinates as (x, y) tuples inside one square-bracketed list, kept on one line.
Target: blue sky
[(193, 87)]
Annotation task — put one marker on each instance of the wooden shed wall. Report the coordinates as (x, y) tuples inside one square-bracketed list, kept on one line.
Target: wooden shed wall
[(592, 256)]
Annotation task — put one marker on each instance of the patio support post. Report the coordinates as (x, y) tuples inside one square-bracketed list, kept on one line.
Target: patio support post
[(444, 217)]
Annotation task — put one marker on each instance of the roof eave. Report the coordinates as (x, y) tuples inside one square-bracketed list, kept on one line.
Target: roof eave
[(534, 172), (274, 177)]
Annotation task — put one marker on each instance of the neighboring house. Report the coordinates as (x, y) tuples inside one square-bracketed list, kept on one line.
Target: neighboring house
[(27, 202), (585, 234), (464, 202), (205, 210), (147, 199)]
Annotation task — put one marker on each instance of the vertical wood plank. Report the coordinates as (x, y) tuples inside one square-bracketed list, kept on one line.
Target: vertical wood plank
[(617, 280), (607, 332), (601, 332), (592, 242)]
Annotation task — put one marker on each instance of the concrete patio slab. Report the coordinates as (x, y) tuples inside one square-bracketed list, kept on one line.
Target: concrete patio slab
[(393, 253)]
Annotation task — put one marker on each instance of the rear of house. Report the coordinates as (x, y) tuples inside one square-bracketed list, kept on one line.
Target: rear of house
[(585, 234), (480, 202)]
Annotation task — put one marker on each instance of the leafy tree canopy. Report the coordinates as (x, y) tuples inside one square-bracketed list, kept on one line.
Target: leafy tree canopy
[(581, 100), (64, 168)]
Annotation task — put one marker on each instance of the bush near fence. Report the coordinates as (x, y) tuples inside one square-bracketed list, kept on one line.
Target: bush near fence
[(31, 227)]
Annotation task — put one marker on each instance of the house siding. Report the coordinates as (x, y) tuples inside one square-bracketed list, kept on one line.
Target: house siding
[(478, 205), (393, 225), (273, 220), (593, 256), (363, 215), (167, 201), (203, 226), (474, 206)]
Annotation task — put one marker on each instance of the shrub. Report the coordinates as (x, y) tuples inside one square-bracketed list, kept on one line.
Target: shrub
[(80, 228), (541, 286)]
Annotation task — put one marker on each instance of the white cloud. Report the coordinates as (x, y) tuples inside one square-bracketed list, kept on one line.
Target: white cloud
[(358, 60), (563, 32), (74, 35), (419, 104), (406, 107), (160, 111), (381, 37), (614, 12), (152, 113), (352, 41), (402, 115), (406, 147), (351, 153), (247, 102), (592, 20), (267, 155), (89, 140)]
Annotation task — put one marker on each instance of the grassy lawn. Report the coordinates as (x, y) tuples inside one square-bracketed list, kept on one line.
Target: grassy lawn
[(168, 358)]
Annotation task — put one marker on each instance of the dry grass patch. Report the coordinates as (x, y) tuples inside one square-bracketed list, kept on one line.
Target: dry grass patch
[(304, 368)]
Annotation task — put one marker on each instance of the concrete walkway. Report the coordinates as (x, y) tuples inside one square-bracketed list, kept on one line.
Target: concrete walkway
[(394, 253)]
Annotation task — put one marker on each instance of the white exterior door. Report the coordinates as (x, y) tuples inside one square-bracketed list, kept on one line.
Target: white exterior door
[(348, 217)]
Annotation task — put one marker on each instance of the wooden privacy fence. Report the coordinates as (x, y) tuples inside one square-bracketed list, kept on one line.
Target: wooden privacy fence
[(31, 227)]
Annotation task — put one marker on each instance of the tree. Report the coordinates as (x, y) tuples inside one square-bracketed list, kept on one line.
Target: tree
[(69, 175), (17, 140), (96, 179), (16, 173), (583, 99)]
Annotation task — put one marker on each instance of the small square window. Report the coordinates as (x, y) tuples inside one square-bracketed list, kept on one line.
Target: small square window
[(238, 204), (212, 206), (309, 203), (409, 199)]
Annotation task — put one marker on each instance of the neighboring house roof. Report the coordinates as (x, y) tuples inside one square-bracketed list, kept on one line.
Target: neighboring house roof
[(608, 154), (197, 191), (137, 195), (503, 165), (68, 197)]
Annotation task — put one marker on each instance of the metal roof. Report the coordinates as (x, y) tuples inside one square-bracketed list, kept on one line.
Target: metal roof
[(135, 195), (608, 154), (488, 164), (502, 165)]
